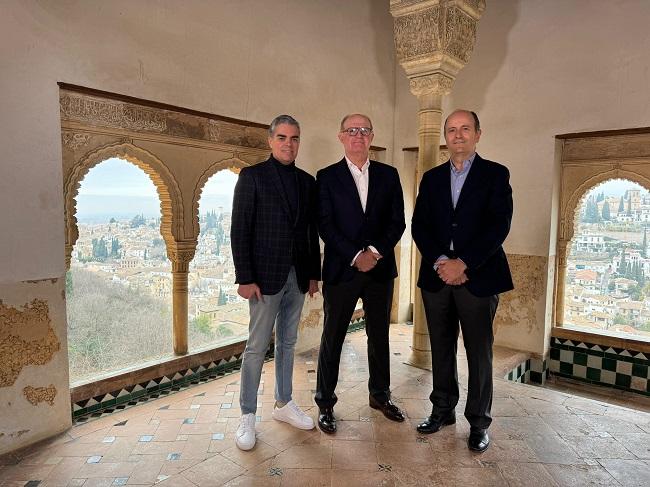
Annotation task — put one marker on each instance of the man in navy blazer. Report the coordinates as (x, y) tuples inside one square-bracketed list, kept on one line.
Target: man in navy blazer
[(361, 219), (461, 218)]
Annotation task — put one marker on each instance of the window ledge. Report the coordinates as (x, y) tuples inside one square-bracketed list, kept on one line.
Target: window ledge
[(612, 339)]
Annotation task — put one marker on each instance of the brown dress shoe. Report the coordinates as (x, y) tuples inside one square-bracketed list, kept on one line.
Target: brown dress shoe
[(388, 409)]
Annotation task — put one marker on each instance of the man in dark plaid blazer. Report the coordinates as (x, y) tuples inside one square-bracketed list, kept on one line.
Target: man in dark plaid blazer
[(276, 253)]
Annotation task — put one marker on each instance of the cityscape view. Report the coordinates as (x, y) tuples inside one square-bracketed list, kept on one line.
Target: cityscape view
[(119, 287), (607, 286)]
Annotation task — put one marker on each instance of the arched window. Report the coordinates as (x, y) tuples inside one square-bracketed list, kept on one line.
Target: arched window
[(607, 279), (217, 314), (119, 286)]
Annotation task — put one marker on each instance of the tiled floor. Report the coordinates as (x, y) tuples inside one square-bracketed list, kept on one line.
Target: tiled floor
[(540, 437)]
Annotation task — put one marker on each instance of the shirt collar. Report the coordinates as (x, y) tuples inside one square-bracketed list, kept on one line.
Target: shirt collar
[(283, 166), (467, 164), (352, 165)]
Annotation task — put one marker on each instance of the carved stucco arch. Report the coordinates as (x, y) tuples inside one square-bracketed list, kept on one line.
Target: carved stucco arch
[(578, 195), (171, 203), (232, 163)]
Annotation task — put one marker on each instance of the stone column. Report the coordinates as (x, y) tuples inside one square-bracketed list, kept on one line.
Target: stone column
[(433, 40), (181, 254)]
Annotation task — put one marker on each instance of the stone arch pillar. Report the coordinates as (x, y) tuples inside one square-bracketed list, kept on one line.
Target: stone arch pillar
[(433, 41)]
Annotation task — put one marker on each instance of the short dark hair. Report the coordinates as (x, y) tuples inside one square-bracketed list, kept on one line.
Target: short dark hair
[(279, 120), (477, 123)]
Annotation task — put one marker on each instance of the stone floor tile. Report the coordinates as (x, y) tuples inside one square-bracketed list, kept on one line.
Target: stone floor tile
[(404, 453), (637, 443), (520, 474), (507, 406), (629, 473), (502, 450), (305, 456), (598, 448), (213, 471), (552, 449), (391, 432), (610, 425), (249, 459), (359, 478), (145, 472), (353, 430), (354, 455), (580, 475)]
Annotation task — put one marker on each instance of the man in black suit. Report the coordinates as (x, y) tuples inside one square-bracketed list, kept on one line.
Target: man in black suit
[(276, 253), (361, 219), (462, 217)]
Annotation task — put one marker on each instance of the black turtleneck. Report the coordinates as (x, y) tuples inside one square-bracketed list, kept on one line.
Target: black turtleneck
[(289, 177)]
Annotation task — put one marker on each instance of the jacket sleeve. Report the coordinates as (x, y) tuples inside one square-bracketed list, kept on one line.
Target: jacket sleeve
[(327, 227), (498, 217), (314, 242), (396, 224), (423, 226), (242, 228)]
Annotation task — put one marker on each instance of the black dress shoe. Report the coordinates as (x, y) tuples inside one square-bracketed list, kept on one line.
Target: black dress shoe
[(436, 423), (388, 409), (327, 421), (478, 440)]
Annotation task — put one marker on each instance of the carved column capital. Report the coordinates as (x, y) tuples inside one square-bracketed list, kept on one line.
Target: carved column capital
[(181, 254), (436, 84)]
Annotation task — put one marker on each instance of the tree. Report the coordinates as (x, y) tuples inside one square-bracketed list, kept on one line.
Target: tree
[(619, 319), (115, 248), (138, 221), (622, 266), (202, 324), (600, 197), (591, 212), (112, 220), (223, 299), (644, 249), (100, 252), (621, 205), (629, 206), (605, 211)]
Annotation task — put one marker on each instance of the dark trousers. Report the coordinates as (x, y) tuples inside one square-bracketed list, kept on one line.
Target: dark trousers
[(444, 310), (339, 303)]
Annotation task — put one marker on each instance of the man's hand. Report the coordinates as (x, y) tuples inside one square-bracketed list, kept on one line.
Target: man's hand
[(247, 291), (366, 260), (452, 271), (313, 287)]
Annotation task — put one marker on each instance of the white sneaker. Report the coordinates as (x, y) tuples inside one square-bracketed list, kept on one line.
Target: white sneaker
[(292, 414), (245, 436)]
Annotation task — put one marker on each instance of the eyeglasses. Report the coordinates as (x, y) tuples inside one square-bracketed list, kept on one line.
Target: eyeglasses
[(353, 131)]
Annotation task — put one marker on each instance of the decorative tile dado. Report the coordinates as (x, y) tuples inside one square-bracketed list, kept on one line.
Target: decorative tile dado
[(609, 366), (104, 404)]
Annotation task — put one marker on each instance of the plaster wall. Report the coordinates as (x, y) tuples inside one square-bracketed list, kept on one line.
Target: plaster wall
[(540, 69), (246, 59)]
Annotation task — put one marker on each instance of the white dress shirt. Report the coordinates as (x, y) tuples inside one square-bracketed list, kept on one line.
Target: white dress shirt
[(361, 178)]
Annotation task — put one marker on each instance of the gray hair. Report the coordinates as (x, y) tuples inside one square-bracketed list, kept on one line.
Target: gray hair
[(354, 115), (279, 120)]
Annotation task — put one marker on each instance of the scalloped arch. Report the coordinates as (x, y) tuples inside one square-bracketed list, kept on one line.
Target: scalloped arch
[(233, 163), (580, 192), (171, 202)]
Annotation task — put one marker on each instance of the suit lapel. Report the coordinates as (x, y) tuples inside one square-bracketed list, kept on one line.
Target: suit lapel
[(445, 192), (274, 178), (347, 181), (473, 180)]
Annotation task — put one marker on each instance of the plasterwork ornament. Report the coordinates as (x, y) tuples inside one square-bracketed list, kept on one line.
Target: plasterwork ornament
[(181, 257), (74, 141), (417, 34), (113, 113), (438, 84)]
